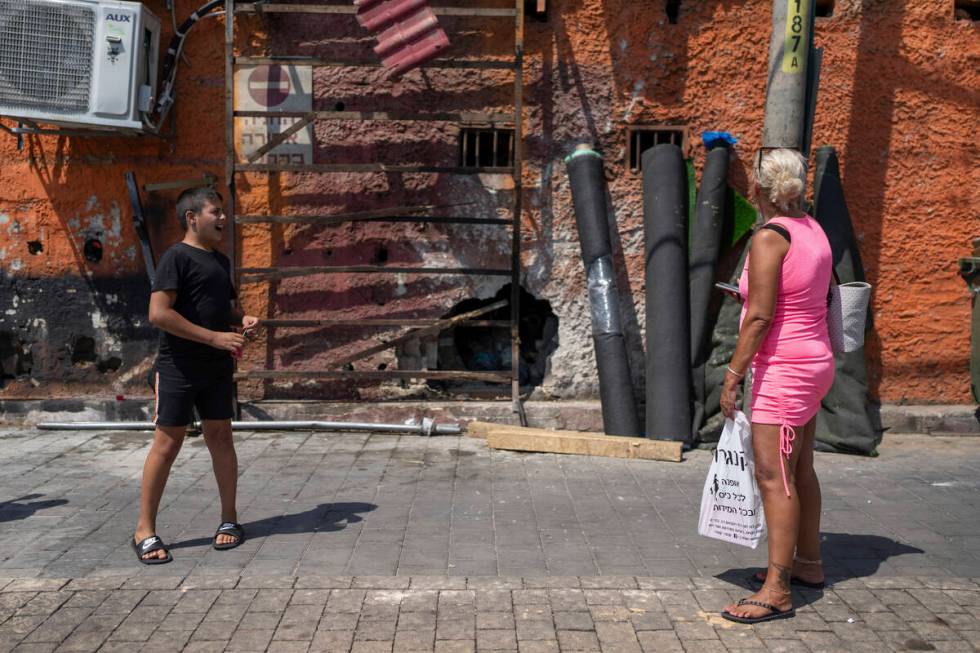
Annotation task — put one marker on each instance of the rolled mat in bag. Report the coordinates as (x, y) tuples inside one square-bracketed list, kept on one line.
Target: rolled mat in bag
[(668, 333), (843, 423), (709, 216), (619, 414)]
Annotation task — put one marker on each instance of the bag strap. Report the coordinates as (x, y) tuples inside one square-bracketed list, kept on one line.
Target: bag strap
[(779, 229)]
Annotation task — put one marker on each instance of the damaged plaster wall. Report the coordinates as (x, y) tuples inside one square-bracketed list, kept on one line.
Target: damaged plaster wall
[(899, 81)]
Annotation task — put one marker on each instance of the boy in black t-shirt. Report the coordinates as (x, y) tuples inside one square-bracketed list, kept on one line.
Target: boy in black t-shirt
[(191, 302)]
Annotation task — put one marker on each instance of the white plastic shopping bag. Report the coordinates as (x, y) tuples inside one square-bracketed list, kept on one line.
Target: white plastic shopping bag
[(731, 506)]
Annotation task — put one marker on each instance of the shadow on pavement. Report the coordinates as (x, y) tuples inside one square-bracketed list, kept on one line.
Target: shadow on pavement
[(845, 556), (13, 510), (326, 517)]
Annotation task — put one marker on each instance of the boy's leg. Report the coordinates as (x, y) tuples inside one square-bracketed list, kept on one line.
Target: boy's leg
[(224, 461), (166, 445), (215, 404)]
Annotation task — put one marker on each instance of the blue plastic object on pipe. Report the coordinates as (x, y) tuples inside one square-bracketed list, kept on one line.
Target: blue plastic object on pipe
[(715, 139)]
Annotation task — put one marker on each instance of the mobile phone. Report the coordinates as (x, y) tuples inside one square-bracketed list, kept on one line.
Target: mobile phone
[(727, 287)]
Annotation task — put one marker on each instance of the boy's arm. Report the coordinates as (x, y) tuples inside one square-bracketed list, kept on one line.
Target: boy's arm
[(239, 318), (163, 316)]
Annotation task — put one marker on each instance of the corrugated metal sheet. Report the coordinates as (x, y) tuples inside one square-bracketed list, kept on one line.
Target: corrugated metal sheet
[(408, 32)]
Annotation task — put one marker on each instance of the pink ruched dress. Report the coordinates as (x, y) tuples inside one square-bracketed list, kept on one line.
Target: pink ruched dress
[(794, 367)]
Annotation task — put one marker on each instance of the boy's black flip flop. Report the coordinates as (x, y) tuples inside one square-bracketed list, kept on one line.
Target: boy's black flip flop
[(149, 545), (229, 528)]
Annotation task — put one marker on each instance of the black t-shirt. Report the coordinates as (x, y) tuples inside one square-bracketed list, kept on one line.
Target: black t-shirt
[(202, 280)]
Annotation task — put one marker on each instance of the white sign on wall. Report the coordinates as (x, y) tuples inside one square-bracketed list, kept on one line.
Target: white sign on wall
[(273, 88)]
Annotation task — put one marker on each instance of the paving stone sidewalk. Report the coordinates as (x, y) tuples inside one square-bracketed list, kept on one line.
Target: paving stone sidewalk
[(457, 615), (387, 543)]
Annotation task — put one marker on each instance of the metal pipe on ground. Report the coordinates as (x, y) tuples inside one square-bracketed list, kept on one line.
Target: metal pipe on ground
[(585, 175), (426, 427), (668, 318), (708, 227)]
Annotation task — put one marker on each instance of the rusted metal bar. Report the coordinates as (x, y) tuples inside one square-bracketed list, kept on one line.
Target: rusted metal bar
[(515, 289), (484, 64), (230, 133), (377, 322), (206, 180), (463, 12), (464, 117), (502, 376), (334, 220), (256, 275), (352, 216), (369, 167), (280, 138), (418, 333)]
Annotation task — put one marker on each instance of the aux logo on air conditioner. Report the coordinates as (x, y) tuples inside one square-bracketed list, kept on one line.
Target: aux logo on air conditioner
[(118, 18)]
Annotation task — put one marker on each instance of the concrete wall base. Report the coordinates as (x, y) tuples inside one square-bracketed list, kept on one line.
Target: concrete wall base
[(961, 420)]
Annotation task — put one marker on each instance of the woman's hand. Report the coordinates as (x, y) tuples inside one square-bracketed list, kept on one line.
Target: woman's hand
[(729, 394)]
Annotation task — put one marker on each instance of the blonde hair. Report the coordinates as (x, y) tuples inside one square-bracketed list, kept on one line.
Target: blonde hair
[(781, 174)]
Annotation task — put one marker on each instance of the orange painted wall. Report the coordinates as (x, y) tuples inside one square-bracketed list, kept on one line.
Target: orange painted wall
[(898, 99)]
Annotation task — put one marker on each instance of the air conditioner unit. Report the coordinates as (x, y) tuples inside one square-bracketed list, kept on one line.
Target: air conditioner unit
[(78, 63)]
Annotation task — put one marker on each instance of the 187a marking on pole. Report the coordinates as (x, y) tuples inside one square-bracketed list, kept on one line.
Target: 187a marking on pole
[(797, 40)]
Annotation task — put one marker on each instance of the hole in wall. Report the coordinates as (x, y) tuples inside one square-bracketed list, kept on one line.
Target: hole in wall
[(35, 247), (967, 10), (82, 350), (111, 364), (483, 347), (327, 253), (673, 9), (15, 356), (381, 256), (340, 106), (825, 8), (536, 9), (93, 250)]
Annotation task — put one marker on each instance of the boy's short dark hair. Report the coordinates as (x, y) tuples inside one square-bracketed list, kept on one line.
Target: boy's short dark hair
[(194, 200)]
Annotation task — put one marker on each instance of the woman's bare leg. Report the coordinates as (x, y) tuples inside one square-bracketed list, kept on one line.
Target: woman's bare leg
[(782, 518), (807, 565)]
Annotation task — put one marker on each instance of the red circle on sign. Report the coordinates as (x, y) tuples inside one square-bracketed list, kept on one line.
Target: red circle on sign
[(269, 85)]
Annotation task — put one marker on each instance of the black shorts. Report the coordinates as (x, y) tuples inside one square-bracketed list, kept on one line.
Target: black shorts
[(181, 388)]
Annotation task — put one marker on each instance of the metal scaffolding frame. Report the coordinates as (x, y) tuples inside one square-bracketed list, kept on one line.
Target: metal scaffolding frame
[(416, 328)]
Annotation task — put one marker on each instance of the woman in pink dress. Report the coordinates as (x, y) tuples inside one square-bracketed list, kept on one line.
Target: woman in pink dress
[(783, 336)]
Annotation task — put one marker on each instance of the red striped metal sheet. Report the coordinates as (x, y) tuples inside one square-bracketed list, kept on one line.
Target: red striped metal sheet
[(408, 32)]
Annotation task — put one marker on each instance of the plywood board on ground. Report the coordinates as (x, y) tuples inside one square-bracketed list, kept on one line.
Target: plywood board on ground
[(516, 438)]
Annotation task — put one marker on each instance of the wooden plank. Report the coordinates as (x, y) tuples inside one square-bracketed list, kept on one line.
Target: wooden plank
[(478, 429), (516, 438)]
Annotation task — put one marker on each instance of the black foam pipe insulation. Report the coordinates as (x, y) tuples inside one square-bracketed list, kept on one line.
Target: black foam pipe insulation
[(585, 174), (668, 318), (844, 422), (709, 216)]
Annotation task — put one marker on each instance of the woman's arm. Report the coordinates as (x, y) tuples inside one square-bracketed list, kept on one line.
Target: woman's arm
[(765, 261), (163, 316)]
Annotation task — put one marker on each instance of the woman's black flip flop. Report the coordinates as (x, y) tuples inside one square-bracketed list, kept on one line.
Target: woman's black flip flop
[(774, 613), (229, 528), (149, 545)]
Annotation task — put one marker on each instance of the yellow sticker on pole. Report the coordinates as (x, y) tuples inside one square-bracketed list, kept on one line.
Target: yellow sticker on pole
[(797, 36)]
